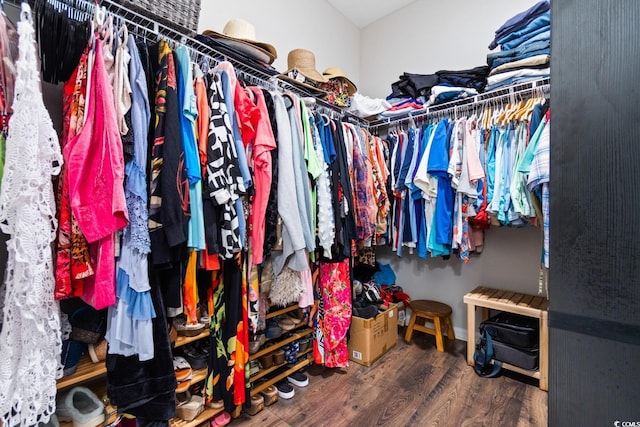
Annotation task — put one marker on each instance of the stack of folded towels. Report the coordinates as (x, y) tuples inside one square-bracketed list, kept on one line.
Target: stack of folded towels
[(524, 54)]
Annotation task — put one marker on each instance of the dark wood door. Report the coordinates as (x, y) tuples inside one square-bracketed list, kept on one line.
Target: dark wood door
[(594, 312)]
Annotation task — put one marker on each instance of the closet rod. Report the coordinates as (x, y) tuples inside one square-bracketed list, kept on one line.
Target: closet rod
[(512, 93), (267, 78), (153, 30)]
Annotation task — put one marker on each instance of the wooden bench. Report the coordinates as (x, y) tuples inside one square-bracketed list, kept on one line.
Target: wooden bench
[(512, 302)]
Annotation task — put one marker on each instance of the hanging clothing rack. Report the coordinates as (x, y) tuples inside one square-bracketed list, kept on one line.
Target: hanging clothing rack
[(510, 94), (152, 30)]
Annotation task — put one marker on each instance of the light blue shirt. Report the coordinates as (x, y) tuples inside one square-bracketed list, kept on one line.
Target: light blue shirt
[(196, 234)]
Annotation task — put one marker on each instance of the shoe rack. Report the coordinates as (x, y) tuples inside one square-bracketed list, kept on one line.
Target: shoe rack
[(297, 333), (89, 372)]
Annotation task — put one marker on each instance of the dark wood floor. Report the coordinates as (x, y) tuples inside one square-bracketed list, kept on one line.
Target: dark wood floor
[(411, 385)]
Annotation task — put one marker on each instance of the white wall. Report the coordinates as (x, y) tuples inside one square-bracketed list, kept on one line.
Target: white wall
[(426, 36), (309, 24), (510, 260)]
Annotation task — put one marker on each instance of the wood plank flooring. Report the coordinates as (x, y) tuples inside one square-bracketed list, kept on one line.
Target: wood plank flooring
[(411, 385)]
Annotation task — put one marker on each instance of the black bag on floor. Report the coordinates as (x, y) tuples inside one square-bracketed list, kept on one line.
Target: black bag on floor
[(513, 330)]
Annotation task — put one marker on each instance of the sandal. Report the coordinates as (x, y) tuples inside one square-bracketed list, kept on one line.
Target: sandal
[(182, 369), (183, 386), (222, 419), (188, 330)]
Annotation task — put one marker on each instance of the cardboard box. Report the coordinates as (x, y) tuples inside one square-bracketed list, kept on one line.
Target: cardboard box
[(371, 338)]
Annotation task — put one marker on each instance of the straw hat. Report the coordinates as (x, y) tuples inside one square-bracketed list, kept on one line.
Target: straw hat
[(241, 35), (302, 71), (337, 73)]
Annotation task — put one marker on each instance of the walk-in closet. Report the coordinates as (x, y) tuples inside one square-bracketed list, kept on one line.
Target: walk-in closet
[(318, 213)]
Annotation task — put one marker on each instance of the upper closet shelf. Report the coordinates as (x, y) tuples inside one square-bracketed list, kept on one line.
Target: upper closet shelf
[(152, 30), (512, 94)]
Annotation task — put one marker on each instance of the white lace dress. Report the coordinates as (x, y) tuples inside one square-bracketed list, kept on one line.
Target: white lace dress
[(30, 338)]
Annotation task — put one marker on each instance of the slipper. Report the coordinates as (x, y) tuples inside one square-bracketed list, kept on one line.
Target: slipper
[(98, 352), (266, 360), (298, 379), (254, 367), (270, 395), (285, 391), (287, 324), (81, 406), (303, 344), (297, 316), (216, 404), (188, 330), (273, 330), (183, 386), (222, 419), (191, 408), (182, 368), (257, 405), (256, 343), (278, 357)]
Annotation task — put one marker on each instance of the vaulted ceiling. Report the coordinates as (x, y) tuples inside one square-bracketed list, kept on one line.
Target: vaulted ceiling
[(364, 12)]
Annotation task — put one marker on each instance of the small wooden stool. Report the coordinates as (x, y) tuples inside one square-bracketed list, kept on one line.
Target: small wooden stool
[(435, 312)]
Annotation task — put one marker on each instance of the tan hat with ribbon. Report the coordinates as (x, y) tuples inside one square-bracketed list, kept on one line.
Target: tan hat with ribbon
[(337, 73), (241, 35), (302, 71)]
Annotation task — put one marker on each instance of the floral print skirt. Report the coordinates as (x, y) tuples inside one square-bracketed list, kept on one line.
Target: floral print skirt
[(335, 289)]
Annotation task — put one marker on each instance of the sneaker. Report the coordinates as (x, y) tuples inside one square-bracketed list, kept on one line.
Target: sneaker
[(285, 391), (298, 379)]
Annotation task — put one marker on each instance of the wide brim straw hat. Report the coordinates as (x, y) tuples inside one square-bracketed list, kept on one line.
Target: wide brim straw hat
[(337, 73), (241, 35), (302, 70)]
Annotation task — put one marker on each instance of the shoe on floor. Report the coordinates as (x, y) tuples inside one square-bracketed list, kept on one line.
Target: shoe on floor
[(81, 406), (270, 395), (222, 419), (257, 405), (285, 391), (298, 379)]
